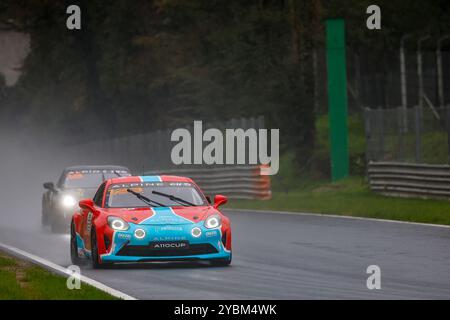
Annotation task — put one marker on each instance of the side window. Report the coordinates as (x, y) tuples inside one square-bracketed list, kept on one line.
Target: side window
[(99, 195)]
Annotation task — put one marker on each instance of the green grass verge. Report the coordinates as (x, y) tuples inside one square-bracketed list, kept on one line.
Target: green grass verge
[(351, 197), (20, 280), (304, 189)]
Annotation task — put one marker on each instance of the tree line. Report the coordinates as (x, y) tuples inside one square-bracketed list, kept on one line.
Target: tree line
[(143, 65)]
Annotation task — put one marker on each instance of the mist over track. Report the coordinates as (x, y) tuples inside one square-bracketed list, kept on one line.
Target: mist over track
[(275, 256), (282, 257)]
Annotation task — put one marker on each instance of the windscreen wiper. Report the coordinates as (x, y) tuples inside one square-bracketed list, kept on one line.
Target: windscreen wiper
[(145, 199), (174, 198)]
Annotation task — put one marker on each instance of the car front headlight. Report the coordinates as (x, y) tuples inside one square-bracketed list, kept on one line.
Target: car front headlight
[(213, 221), (118, 223), (68, 201)]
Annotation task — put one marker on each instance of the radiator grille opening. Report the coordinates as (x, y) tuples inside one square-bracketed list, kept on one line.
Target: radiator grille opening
[(147, 251)]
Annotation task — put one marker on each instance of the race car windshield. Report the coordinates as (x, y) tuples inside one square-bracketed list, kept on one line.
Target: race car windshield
[(124, 195), (90, 178), (83, 180)]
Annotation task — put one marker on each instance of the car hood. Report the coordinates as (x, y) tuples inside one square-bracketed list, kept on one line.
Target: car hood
[(79, 194), (162, 215)]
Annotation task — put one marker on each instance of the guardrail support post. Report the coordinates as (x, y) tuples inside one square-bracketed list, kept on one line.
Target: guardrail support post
[(418, 122), (404, 123)]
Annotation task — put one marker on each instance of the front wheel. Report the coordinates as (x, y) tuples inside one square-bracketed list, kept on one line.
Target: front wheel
[(95, 260), (76, 260), (44, 218), (44, 214)]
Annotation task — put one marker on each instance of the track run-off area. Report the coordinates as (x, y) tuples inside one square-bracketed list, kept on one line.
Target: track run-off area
[(280, 256)]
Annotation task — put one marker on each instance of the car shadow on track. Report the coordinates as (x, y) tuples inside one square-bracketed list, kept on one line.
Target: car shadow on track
[(161, 266)]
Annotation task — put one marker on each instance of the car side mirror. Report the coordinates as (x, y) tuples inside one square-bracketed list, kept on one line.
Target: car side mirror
[(49, 186), (219, 200), (86, 204)]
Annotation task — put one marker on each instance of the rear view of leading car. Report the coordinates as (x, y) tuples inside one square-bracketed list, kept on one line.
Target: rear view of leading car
[(150, 218)]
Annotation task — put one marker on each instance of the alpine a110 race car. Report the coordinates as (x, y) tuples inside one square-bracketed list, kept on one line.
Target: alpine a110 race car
[(150, 218), (75, 183)]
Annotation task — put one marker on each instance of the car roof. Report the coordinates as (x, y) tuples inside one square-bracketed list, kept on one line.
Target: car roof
[(137, 179), (94, 167)]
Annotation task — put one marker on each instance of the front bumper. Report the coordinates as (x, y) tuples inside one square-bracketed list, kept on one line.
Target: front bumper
[(125, 247)]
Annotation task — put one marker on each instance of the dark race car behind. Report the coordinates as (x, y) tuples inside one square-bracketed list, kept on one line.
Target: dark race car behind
[(75, 183)]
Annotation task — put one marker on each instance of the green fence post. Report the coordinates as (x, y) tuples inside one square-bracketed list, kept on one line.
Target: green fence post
[(337, 98)]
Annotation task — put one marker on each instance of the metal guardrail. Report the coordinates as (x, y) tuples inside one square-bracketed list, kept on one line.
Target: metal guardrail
[(237, 182), (410, 180)]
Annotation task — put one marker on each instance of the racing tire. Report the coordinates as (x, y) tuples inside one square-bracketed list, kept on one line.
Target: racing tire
[(95, 259), (44, 214), (76, 260), (221, 262), (44, 218), (44, 221)]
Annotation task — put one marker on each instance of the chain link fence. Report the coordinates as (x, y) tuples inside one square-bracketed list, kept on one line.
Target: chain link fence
[(418, 135), (146, 151)]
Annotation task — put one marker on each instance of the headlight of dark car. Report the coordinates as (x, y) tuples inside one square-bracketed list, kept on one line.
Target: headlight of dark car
[(67, 201)]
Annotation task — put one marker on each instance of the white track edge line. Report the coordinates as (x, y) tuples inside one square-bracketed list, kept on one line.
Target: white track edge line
[(61, 270), (339, 217)]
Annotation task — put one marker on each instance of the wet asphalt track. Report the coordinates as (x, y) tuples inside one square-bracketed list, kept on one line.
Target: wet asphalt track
[(282, 257)]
